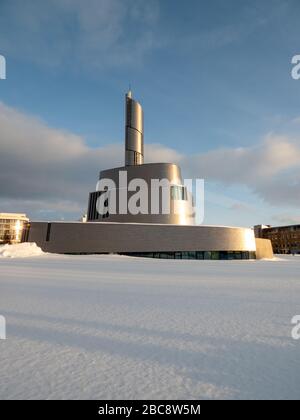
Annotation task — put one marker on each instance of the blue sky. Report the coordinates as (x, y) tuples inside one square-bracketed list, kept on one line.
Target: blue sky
[(210, 75)]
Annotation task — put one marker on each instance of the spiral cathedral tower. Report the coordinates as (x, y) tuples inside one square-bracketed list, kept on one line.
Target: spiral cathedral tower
[(134, 132)]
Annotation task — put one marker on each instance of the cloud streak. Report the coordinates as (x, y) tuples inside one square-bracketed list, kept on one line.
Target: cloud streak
[(50, 170), (271, 168), (91, 34)]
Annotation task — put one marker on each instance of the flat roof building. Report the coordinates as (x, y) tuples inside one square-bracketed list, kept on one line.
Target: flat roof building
[(285, 239), (13, 227)]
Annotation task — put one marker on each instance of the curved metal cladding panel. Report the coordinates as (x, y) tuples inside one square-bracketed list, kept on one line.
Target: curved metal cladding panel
[(134, 133), (148, 172), (72, 237), (264, 248)]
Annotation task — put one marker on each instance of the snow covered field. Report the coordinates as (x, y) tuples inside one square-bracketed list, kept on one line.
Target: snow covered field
[(119, 327)]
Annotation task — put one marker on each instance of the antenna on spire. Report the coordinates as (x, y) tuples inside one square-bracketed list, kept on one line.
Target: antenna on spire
[(129, 93)]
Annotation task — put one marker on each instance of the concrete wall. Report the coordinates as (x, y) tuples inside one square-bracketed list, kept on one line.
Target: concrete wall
[(76, 237), (264, 248)]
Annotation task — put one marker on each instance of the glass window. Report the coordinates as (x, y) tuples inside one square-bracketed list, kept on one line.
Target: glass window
[(192, 255), (199, 255), (185, 255), (178, 192), (215, 255), (207, 255)]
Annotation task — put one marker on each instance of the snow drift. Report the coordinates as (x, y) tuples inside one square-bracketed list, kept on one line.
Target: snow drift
[(20, 250)]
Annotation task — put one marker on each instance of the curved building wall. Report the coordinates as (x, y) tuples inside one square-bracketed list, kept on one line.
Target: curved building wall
[(91, 238), (181, 210), (134, 132), (264, 248)]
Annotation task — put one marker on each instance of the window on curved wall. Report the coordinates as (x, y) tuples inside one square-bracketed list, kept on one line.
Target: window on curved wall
[(196, 255), (92, 213), (178, 192), (215, 255), (166, 255), (223, 255)]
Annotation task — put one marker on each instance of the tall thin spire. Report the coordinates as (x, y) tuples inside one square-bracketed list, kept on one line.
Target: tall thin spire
[(134, 131)]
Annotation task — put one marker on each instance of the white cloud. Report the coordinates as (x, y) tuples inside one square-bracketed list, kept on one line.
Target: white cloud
[(248, 165), (287, 219), (158, 153), (270, 168), (47, 169), (39, 161), (241, 207)]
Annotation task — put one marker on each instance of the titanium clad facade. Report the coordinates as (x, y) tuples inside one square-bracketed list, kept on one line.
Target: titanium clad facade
[(149, 231), (93, 238), (134, 132), (180, 201)]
